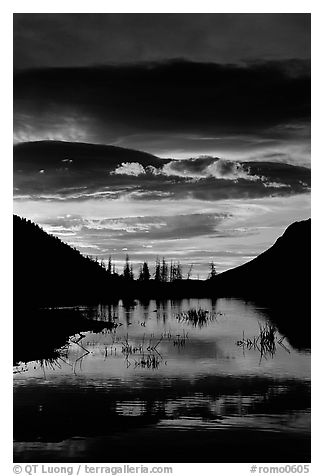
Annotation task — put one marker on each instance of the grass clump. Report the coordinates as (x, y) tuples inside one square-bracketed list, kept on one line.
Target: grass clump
[(266, 342), (196, 317)]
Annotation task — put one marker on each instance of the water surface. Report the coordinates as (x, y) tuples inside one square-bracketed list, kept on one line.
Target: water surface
[(158, 388)]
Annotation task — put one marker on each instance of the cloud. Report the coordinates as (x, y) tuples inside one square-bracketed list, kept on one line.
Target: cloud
[(129, 168), (292, 146), (206, 167), (111, 104), (132, 231), (190, 169), (81, 171), (83, 39), (229, 232)]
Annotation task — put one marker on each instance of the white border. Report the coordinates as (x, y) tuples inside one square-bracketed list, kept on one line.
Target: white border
[(59, 6)]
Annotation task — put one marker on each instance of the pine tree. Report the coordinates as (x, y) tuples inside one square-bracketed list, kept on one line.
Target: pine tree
[(171, 272), (164, 271), (157, 274), (190, 271), (144, 274), (178, 271), (128, 270), (213, 271), (109, 268), (131, 272)]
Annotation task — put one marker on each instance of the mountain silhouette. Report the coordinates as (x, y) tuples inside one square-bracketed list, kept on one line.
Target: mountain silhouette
[(280, 280), (280, 272), (48, 271)]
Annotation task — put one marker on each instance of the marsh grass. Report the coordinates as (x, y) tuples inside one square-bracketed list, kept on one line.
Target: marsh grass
[(146, 353), (148, 361), (196, 317), (181, 340), (266, 342)]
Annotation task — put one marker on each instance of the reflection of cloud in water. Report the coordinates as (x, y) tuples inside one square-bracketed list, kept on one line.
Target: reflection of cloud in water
[(207, 386)]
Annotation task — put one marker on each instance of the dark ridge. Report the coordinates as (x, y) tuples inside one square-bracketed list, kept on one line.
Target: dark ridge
[(282, 271), (280, 279), (48, 271)]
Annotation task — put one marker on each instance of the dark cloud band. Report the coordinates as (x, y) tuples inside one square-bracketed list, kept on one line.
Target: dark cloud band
[(176, 97)]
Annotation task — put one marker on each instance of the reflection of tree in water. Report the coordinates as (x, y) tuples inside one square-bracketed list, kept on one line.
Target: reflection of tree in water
[(129, 307), (213, 305), (146, 308), (163, 309)]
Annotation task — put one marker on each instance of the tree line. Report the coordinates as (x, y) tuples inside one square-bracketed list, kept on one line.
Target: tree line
[(163, 272)]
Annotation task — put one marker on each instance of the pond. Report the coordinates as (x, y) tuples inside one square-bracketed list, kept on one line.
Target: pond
[(159, 384)]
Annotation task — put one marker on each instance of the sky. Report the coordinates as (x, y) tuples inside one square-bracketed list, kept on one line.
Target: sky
[(177, 135)]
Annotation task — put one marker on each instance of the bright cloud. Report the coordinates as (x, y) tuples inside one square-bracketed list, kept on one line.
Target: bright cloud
[(129, 168)]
